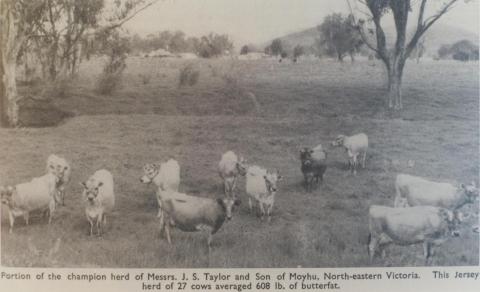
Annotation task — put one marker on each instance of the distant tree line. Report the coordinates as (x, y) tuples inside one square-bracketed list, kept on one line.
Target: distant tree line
[(463, 50), (207, 46), (337, 38)]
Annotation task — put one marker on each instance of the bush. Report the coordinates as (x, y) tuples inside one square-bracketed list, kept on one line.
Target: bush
[(108, 82), (116, 48), (145, 78), (59, 88), (188, 76)]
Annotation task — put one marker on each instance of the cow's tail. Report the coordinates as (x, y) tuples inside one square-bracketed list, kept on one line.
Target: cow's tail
[(399, 197), (368, 242)]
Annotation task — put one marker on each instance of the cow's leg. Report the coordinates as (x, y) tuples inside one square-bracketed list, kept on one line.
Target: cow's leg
[(427, 251), (161, 220), (166, 226), (91, 226), (364, 157), (310, 182), (62, 195), (305, 182), (225, 187), (99, 224), (269, 212), (159, 201), (234, 184), (354, 165), (26, 216), (262, 210), (11, 220), (51, 209), (209, 241), (372, 245), (250, 206)]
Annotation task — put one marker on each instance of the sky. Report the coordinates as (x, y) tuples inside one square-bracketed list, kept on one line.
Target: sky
[(258, 21)]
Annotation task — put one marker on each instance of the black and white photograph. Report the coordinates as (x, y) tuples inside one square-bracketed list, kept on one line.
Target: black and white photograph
[(174, 134)]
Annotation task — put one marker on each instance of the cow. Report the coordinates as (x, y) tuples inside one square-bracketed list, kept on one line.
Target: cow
[(37, 194), (416, 191), (428, 225), (354, 146)]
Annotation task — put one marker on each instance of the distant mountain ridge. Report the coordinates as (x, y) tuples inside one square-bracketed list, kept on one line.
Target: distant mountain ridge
[(436, 36)]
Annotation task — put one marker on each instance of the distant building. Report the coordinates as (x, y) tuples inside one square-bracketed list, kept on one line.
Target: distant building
[(160, 53)]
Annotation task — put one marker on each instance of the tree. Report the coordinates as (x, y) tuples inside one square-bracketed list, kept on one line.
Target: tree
[(24, 20), (339, 37), (275, 48), (443, 51), (214, 45), (178, 44), (419, 50), (244, 50), (16, 24), (394, 58), (297, 52)]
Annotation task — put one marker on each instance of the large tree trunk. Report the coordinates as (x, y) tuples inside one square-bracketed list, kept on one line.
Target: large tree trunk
[(395, 73), (11, 41), (52, 55), (10, 105)]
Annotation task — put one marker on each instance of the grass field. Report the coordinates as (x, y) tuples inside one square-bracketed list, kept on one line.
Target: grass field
[(150, 119)]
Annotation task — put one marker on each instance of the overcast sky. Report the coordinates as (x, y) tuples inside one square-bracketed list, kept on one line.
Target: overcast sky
[(257, 21)]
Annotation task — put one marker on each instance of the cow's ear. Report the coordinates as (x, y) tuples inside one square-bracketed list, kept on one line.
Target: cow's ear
[(462, 216), (221, 203), (446, 215), (279, 177), (100, 184), (83, 184)]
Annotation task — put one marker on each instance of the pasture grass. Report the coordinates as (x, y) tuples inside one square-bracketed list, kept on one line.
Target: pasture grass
[(294, 105)]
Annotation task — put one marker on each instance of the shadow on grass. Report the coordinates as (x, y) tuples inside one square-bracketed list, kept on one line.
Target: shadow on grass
[(39, 113)]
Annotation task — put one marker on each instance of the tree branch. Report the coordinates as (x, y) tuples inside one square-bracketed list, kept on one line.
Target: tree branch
[(122, 21), (359, 27), (423, 26)]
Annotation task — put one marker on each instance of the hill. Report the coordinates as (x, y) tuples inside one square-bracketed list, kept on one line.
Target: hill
[(437, 35)]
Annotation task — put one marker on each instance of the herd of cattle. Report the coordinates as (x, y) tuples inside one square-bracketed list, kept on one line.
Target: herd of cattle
[(424, 211)]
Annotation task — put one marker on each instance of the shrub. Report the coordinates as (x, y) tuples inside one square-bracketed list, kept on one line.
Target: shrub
[(116, 48), (188, 76), (145, 78), (107, 83)]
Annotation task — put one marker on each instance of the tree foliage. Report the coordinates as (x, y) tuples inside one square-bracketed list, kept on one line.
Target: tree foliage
[(244, 50), (394, 58), (53, 30), (338, 36), (275, 48), (214, 45), (298, 51), (463, 50)]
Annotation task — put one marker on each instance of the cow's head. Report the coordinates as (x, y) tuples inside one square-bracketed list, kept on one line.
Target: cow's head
[(338, 141), (91, 188), (242, 166), (476, 229), (229, 204), (453, 220), (6, 194), (305, 154), (59, 167), (470, 191), (271, 179), (150, 171)]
